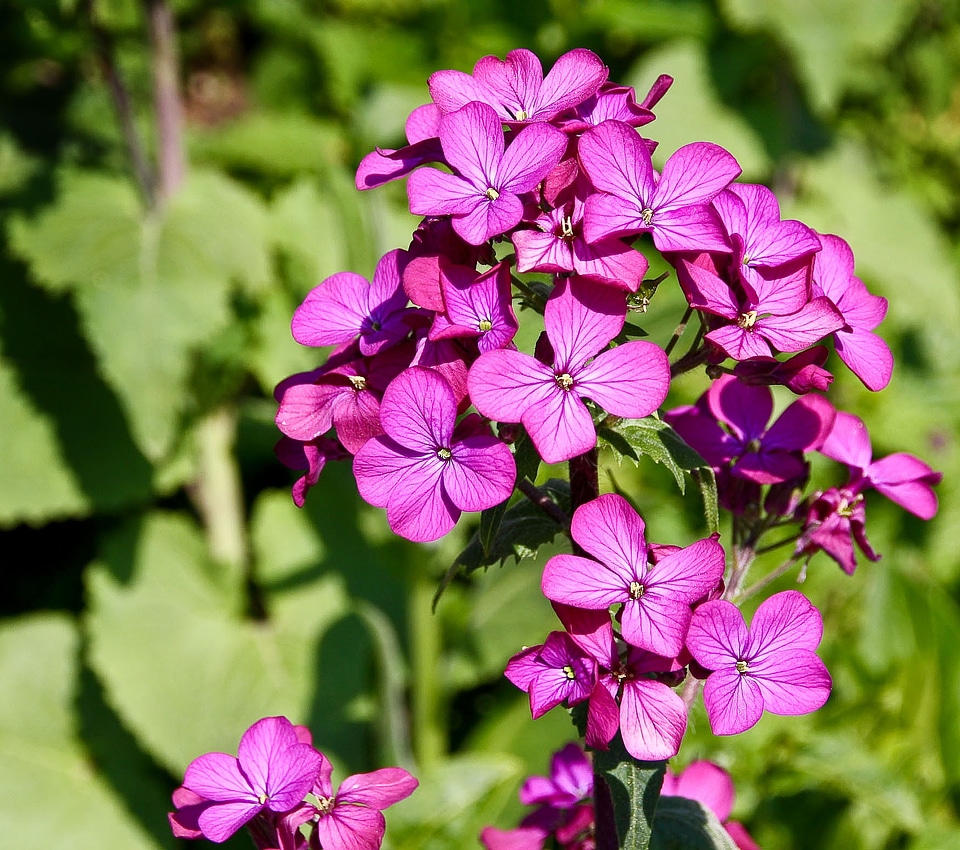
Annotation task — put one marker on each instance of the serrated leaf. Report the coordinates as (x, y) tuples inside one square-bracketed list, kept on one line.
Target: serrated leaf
[(526, 456), (683, 824), (150, 288), (41, 758), (169, 640)]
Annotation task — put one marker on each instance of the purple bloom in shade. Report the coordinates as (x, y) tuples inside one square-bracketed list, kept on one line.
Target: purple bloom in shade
[(516, 87), (273, 770), (345, 305), (482, 194), (312, 456), (554, 673), (477, 305), (352, 819), (865, 353), (570, 781), (711, 785), (760, 454), (900, 477), (675, 209), (558, 246), (772, 666), (752, 213), (772, 311), (656, 600), (630, 380), (345, 396), (382, 166), (521, 838), (615, 103), (835, 521), (423, 472)]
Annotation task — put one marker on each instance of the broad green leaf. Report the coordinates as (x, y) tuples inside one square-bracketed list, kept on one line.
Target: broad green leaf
[(47, 780), (632, 788), (150, 288), (454, 802), (169, 640), (831, 40), (682, 824), (692, 111), (490, 521)]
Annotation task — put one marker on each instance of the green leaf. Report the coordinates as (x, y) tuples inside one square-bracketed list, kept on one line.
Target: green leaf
[(632, 788), (526, 456), (490, 521), (682, 824), (169, 640), (46, 777), (150, 289), (831, 41)]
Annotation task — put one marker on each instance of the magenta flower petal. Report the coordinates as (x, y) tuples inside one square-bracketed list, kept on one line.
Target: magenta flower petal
[(351, 828), (656, 622), (420, 509), (848, 442), (706, 782), (603, 718), (610, 530), (433, 192), (488, 218), (481, 475), (306, 410), (618, 162), (694, 228), (630, 380), (653, 719), (379, 789), (275, 762), (581, 319), (796, 683), (734, 702), (219, 822), (817, 319), (745, 408), (561, 427), (716, 634), (332, 312), (803, 426), (786, 622), (217, 777), (418, 410), (381, 468), (531, 156), (583, 583), (695, 174), (866, 355), (907, 481), (503, 383)]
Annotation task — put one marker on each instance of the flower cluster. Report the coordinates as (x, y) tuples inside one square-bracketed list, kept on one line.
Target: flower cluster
[(279, 787)]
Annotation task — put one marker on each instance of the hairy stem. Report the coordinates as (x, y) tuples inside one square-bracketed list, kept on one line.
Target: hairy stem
[(771, 577), (544, 502), (168, 107), (679, 331)]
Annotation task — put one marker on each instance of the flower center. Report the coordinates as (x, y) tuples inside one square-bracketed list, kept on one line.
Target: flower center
[(647, 215), (444, 453), (566, 227), (263, 798), (485, 325), (743, 667), (564, 381), (358, 381), (568, 672), (492, 193), (636, 590), (747, 320), (325, 804), (522, 115)]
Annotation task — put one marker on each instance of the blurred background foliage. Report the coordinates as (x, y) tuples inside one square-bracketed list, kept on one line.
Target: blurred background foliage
[(160, 592)]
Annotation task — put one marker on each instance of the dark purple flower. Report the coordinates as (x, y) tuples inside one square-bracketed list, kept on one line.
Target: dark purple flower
[(570, 781), (771, 666), (423, 472), (482, 195)]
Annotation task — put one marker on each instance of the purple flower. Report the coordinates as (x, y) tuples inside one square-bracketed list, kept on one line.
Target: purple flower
[(346, 305), (865, 353), (482, 193), (421, 471), (570, 781), (351, 819), (772, 666), (901, 477), (772, 310), (675, 209), (272, 771), (383, 165), (516, 87), (630, 380), (656, 600), (558, 671), (476, 305), (764, 455), (558, 246), (312, 456), (835, 521)]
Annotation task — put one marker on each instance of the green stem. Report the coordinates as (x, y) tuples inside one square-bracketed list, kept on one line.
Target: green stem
[(783, 569), (429, 739), (679, 331)]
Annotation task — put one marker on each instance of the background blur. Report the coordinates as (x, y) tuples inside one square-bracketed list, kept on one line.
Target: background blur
[(160, 591)]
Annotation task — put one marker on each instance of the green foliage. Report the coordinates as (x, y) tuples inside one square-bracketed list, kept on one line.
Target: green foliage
[(632, 788), (682, 824)]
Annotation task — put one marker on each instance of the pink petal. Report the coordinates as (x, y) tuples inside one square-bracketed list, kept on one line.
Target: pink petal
[(583, 583), (306, 410), (803, 426), (419, 410), (617, 162), (539, 251), (848, 441), (657, 622), (738, 343), (488, 218), (530, 157), (745, 408), (707, 291), (351, 827), (473, 143), (504, 383), (379, 789), (610, 261), (609, 529), (581, 319), (433, 192), (784, 623), (866, 355), (907, 481), (694, 228), (356, 417), (480, 473), (734, 702), (817, 319), (630, 380), (333, 312), (419, 508), (220, 821), (608, 216), (688, 573), (781, 291), (451, 90), (708, 783), (381, 467), (512, 83), (653, 719), (561, 426), (217, 777), (603, 717), (792, 683), (574, 77), (695, 174), (269, 758), (590, 630), (717, 636)]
